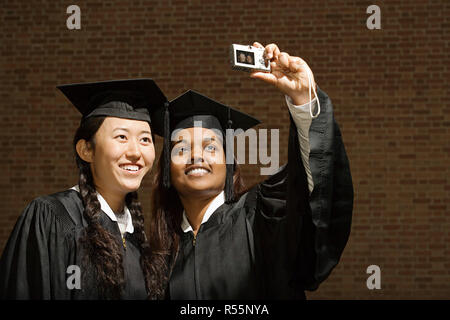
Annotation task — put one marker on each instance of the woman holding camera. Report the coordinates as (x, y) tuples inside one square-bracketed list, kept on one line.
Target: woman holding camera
[(211, 239)]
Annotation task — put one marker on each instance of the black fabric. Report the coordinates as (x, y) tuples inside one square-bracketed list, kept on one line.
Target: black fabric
[(129, 99), (192, 103), (275, 242), (45, 242), (120, 109), (206, 121)]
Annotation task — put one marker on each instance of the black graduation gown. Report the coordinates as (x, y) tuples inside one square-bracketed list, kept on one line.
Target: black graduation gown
[(277, 240), (44, 243)]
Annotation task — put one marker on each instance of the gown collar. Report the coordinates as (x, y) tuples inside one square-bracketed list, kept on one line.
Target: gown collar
[(216, 203), (104, 206)]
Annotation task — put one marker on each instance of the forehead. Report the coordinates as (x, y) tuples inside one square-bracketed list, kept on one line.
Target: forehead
[(112, 123)]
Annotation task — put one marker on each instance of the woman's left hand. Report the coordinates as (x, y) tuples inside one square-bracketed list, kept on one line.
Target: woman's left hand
[(288, 73)]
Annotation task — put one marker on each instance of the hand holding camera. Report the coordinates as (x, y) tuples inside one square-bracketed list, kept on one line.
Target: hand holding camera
[(290, 74)]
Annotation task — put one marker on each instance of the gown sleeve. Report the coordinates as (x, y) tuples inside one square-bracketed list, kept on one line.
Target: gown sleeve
[(303, 234), (34, 260)]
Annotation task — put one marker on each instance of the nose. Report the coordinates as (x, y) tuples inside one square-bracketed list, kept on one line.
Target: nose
[(133, 150), (197, 154)]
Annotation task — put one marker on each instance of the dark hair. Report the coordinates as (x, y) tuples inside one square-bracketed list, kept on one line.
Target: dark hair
[(102, 250), (165, 225)]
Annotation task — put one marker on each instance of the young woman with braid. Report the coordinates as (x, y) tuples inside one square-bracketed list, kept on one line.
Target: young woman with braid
[(88, 242)]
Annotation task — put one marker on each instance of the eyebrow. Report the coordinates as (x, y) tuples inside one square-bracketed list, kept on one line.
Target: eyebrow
[(214, 139), (127, 130), (180, 141)]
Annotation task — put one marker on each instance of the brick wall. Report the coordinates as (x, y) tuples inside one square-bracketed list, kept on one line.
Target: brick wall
[(389, 88)]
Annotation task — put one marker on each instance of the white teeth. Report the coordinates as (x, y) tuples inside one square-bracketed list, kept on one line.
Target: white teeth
[(130, 167), (197, 172)]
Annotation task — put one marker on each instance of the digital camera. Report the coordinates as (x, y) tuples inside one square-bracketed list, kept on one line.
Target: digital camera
[(248, 58)]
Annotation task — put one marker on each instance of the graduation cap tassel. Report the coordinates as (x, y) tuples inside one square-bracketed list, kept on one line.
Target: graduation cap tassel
[(166, 146), (229, 194), (229, 185)]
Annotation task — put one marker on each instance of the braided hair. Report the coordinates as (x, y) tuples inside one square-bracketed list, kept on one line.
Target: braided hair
[(102, 250)]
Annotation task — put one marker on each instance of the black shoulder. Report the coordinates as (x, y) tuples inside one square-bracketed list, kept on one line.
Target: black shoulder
[(66, 206)]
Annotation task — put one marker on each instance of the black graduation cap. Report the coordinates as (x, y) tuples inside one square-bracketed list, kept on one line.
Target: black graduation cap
[(189, 108), (129, 99)]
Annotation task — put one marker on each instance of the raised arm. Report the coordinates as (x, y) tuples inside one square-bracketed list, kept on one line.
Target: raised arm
[(306, 208)]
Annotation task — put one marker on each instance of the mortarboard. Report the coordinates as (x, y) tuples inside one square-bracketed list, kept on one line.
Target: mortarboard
[(129, 99), (190, 107)]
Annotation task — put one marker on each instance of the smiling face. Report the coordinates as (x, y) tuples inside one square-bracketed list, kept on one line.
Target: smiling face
[(198, 162), (123, 154)]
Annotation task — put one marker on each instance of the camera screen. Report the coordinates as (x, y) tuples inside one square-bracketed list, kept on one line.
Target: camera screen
[(245, 57)]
